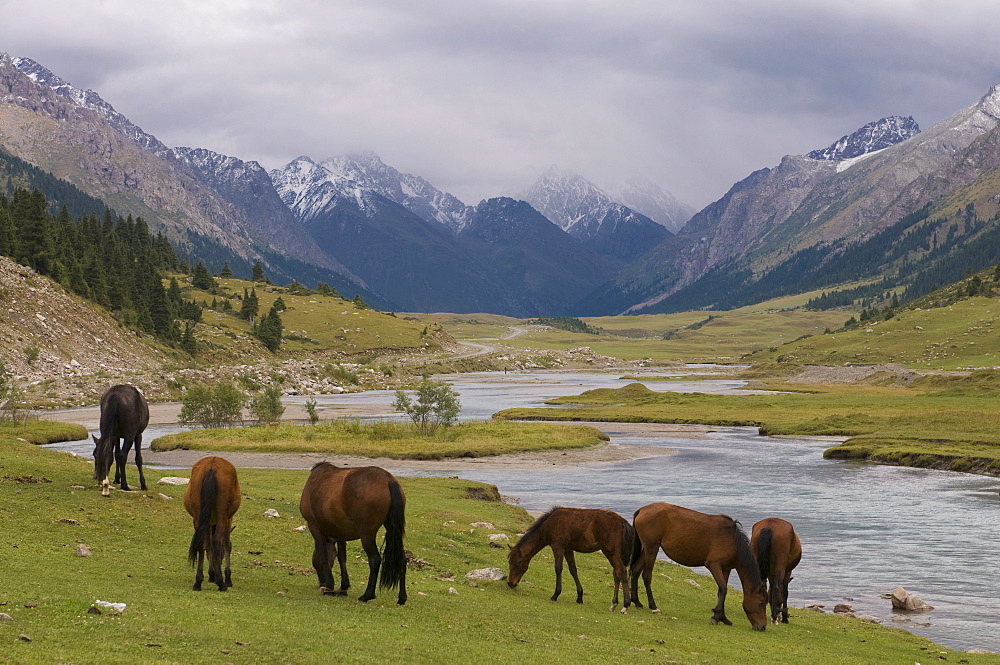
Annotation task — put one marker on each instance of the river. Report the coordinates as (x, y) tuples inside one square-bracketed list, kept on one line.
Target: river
[(865, 528)]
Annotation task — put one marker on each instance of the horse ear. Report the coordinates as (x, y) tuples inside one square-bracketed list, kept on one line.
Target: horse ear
[(94, 438)]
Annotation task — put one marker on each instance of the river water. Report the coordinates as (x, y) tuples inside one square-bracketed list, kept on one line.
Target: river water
[(865, 528)]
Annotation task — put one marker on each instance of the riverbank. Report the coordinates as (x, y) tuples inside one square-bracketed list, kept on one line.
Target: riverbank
[(138, 542)]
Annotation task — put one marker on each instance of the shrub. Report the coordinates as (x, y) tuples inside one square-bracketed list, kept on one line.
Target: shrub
[(266, 407), (220, 405), (436, 404), (310, 406)]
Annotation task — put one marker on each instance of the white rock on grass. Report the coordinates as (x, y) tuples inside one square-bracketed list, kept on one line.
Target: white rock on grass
[(483, 525), (271, 512), (170, 480), (488, 574), (498, 537)]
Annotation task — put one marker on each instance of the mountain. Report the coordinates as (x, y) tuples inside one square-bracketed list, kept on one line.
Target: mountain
[(807, 222), (307, 187), (212, 207), (580, 208), (647, 198), (500, 256), (871, 138)]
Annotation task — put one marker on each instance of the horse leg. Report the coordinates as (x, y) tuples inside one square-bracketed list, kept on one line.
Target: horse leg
[(571, 562), (121, 456), (138, 460), (374, 563), (784, 598), (722, 580), (557, 554), (199, 576), (621, 578), (644, 566), (227, 550), (345, 581), (321, 562)]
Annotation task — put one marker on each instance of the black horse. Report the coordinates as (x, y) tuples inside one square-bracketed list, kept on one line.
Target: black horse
[(124, 415)]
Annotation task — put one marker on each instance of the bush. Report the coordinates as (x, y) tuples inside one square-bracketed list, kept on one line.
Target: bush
[(267, 407), (10, 398), (220, 405), (311, 410), (436, 404)]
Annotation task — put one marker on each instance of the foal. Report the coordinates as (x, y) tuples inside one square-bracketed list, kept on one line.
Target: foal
[(569, 530)]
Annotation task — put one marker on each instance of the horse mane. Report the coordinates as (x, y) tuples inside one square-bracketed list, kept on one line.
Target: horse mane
[(323, 463), (533, 529), (746, 561)]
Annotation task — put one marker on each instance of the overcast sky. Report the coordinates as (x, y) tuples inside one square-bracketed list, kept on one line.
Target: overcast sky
[(479, 97)]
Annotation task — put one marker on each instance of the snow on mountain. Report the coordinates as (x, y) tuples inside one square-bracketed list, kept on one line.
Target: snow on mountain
[(309, 188), (646, 197), (872, 137), (580, 208), (89, 99)]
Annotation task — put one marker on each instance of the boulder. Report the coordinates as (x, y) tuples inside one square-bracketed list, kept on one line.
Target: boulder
[(908, 602), (498, 537), (488, 574)]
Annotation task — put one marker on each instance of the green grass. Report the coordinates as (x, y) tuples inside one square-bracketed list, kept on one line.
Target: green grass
[(945, 422), (957, 336), (275, 613), (726, 338), (388, 439)]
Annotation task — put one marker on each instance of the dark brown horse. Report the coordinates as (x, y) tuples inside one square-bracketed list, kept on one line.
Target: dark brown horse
[(212, 498), (697, 539), (778, 551), (124, 416), (348, 504), (569, 530)]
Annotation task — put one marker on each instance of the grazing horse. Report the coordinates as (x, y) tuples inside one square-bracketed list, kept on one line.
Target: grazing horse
[(569, 530), (697, 539), (124, 415), (212, 498), (348, 504), (778, 551)]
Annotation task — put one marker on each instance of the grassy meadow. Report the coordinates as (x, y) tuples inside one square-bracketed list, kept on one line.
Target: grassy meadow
[(394, 440), (275, 613), (948, 422)]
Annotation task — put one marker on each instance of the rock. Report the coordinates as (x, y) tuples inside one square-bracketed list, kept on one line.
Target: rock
[(70, 521), (5, 617), (171, 480), (304, 527), (867, 618), (498, 537), (83, 550), (110, 608), (693, 583), (979, 651), (842, 608), (23, 638), (908, 602), (164, 496), (453, 590), (271, 512), (488, 574), (483, 525)]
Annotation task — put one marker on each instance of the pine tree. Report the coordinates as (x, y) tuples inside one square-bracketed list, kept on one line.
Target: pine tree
[(201, 279), (269, 330), (258, 272), (226, 272)]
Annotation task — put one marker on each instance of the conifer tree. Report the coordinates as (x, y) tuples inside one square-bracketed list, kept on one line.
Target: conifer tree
[(258, 272)]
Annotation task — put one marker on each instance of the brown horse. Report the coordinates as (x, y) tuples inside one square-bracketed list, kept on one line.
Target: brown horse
[(348, 504), (212, 498), (569, 530), (697, 539), (124, 415), (778, 551)]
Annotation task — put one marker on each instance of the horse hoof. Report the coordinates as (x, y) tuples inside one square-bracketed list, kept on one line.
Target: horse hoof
[(613, 608), (656, 611), (624, 610)]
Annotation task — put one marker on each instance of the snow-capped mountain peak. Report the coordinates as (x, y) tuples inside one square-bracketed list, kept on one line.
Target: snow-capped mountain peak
[(874, 136)]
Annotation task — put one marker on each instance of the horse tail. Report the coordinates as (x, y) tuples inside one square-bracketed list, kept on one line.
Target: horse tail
[(631, 546), (209, 490), (763, 553), (393, 555)]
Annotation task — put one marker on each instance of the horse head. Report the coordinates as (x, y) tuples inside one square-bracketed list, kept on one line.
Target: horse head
[(518, 564), (755, 605)]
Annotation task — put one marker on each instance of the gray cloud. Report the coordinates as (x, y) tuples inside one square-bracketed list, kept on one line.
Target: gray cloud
[(480, 97)]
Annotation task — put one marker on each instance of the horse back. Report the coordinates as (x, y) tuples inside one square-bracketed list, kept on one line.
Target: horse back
[(228, 495), (583, 529), (689, 537), (343, 503), (785, 547), (124, 411)]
